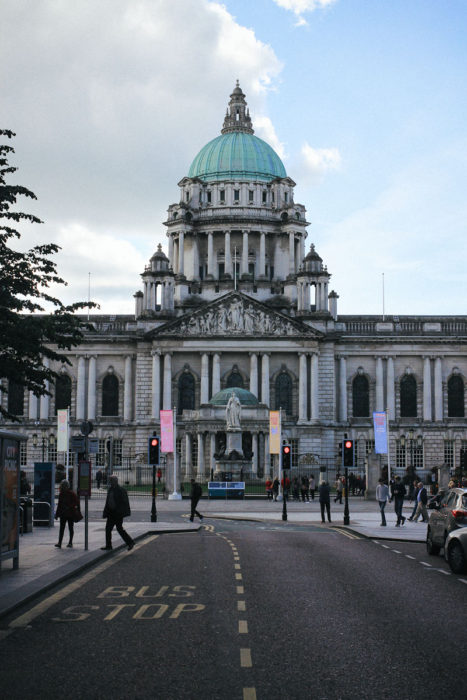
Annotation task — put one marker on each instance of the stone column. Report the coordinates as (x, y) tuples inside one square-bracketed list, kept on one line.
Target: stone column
[(379, 384), (33, 406), (244, 268), (314, 387), (216, 373), (302, 388), (171, 251), (254, 447), (92, 387), (266, 455), (167, 390), (262, 255), (426, 389), (227, 254), (391, 400), (438, 390), (254, 373), (343, 389), (291, 253), (210, 254), (181, 253), (156, 388), (265, 378), (200, 455), (188, 459), (212, 449), (302, 249), (204, 393), (80, 390), (195, 256), (128, 389)]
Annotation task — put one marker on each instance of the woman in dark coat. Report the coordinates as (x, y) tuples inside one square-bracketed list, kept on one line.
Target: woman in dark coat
[(67, 508), (324, 499)]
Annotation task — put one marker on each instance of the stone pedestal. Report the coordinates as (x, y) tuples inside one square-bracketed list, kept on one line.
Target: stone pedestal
[(234, 443)]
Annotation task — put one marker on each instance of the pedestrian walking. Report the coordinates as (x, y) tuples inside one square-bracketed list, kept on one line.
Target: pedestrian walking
[(414, 491), (98, 478), (312, 487), (275, 488), (117, 507), (295, 489), (382, 495), (68, 511), (268, 487), (422, 500), (398, 493), (159, 475), (324, 493), (304, 489), (195, 495), (339, 490)]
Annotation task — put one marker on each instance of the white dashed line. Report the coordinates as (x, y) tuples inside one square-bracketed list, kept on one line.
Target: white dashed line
[(425, 563)]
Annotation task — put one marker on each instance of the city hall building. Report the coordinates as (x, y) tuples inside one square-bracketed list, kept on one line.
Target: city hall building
[(240, 298)]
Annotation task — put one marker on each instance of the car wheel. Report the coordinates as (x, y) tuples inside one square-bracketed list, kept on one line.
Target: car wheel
[(456, 558), (431, 547)]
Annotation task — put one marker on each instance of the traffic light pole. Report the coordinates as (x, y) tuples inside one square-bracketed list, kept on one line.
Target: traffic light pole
[(346, 506), (153, 506)]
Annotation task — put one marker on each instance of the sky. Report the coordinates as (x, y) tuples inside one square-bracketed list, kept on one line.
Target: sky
[(365, 101)]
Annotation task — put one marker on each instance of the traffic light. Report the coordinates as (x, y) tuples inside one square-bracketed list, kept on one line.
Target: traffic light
[(347, 447), (286, 456), (153, 450)]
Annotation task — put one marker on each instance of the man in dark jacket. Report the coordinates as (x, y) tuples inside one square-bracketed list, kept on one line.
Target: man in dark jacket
[(422, 500), (398, 493), (116, 508), (195, 495), (324, 499)]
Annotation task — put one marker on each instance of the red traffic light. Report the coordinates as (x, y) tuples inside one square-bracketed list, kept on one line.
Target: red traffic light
[(286, 449), (348, 444), (154, 442)]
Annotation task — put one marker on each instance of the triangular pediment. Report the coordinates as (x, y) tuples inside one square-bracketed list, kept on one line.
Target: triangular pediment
[(238, 315)]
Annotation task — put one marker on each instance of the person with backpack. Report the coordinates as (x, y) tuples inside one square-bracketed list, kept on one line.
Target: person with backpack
[(195, 495)]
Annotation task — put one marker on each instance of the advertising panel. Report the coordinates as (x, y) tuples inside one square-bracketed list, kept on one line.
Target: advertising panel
[(9, 488), (167, 431), (381, 438), (274, 432), (44, 492)]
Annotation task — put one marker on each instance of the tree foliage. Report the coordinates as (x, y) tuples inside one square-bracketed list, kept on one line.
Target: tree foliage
[(28, 333)]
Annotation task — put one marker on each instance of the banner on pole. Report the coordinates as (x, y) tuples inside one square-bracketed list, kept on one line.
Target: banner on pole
[(381, 436), (167, 431), (62, 430), (274, 432)]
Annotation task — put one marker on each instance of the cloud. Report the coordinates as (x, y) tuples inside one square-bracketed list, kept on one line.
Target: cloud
[(316, 162), (264, 128), (111, 101), (299, 7)]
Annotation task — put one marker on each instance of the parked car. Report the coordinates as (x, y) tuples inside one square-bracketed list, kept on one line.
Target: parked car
[(455, 550), (435, 501), (448, 516)]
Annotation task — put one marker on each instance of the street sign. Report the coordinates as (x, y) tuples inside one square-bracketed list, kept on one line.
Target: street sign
[(77, 443), (86, 427), (93, 445)]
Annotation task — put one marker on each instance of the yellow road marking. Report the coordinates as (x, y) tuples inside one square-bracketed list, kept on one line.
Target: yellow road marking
[(242, 627), (40, 608), (249, 693), (346, 533), (245, 658)]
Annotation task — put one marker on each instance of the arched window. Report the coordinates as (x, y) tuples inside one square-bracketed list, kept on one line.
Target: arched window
[(234, 379), (360, 397), (62, 392), (456, 405), (15, 398), (186, 392), (408, 396), (284, 393), (110, 395)]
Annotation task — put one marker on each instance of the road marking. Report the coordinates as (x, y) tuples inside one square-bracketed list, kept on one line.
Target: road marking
[(237, 566), (385, 546), (238, 577), (442, 571), (346, 533), (240, 590), (40, 608), (245, 658), (396, 551), (462, 580), (249, 693), (425, 563), (242, 627), (241, 605), (409, 556)]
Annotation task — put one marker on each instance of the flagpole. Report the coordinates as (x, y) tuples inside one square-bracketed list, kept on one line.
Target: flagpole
[(175, 495)]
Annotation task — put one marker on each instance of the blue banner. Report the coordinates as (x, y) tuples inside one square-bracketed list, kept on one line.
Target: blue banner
[(381, 436)]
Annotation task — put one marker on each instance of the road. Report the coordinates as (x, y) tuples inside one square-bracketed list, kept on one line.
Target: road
[(246, 610)]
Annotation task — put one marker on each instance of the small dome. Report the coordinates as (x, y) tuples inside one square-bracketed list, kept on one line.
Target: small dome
[(245, 397)]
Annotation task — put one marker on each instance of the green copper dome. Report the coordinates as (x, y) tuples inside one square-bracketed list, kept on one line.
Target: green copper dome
[(237, 156), (245, 397)]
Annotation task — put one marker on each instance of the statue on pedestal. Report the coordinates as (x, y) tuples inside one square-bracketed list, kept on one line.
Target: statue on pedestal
[(232, 412)]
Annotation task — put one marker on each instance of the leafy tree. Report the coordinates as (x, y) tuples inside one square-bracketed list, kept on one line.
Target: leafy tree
[(27, 336)]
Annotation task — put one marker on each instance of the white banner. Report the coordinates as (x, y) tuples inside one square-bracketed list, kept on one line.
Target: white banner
[(62, 430)]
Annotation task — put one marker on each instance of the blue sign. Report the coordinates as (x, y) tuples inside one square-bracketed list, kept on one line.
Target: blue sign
[(381, 436)]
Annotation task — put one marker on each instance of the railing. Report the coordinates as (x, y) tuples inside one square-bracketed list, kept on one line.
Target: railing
[(400, 326)]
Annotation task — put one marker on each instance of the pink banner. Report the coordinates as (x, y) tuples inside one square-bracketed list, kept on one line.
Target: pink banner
[(167, 431)]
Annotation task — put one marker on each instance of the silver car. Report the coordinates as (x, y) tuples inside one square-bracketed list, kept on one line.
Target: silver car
[(450, 515), (455, 551)]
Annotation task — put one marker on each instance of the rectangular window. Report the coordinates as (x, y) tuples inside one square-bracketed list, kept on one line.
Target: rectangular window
[(250, 196), (400, 455), (418, 456), (236, 195), (23, 453), (286, 197), (272, 197), (200, 197), (209, 196), (449, 453), (117, 453), (187, 196), (222, 195), (293, 442), (265, 196), (194, 452)]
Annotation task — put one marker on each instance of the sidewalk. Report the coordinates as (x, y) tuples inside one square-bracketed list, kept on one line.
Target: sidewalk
[(41, 565)]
